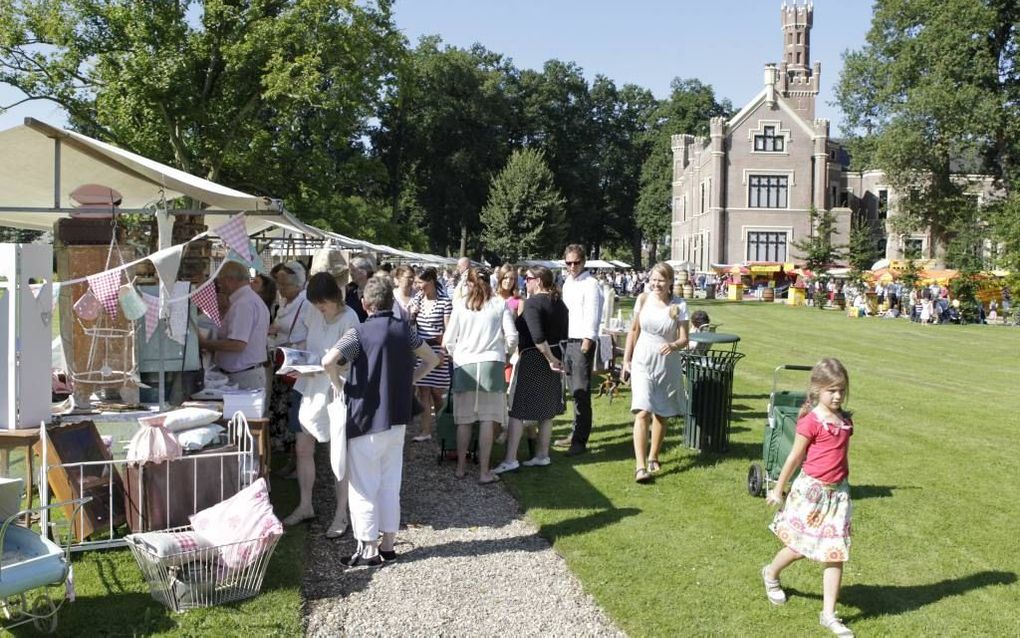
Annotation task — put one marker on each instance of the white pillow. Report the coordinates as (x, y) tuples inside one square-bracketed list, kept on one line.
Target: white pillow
[(198, 438), (187, 418), (173, 548)]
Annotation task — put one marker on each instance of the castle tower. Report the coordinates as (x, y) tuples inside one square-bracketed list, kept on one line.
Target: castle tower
[(798, 80)]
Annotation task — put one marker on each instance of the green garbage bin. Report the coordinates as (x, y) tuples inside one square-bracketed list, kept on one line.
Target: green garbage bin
[(709, 385)]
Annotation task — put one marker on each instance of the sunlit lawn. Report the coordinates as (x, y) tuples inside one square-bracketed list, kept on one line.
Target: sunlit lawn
[(933, 465)]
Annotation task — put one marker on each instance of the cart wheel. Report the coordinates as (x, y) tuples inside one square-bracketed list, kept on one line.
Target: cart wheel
[(756, 480), (44, 614)]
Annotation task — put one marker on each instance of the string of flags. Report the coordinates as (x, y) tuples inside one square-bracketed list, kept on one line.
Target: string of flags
[(106, 290)]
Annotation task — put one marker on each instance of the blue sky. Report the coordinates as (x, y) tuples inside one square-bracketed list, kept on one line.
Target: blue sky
[(723, 43)]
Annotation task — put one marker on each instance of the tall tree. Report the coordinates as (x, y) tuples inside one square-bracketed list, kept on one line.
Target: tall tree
[(524, 216), (690, 106), (443, 133), (819, 249), (936, 82), (621, 146), (271, 96), (557, 119)]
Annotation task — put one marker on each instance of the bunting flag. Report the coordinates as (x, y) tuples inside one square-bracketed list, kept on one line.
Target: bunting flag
[(235, 235), (105, 286), (167, 262), (205, 299), (151, 314)]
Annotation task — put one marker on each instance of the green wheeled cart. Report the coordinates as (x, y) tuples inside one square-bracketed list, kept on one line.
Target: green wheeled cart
[(784, 406)]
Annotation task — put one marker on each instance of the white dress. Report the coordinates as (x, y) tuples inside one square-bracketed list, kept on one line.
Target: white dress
[(315, 389), (656, 380)]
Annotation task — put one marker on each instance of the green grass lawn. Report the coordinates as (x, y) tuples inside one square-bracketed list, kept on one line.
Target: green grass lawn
[(933, 467)]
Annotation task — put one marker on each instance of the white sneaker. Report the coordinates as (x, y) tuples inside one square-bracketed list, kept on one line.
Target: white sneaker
[(506, 467), (835, 625), (538, 461), (773, 590)]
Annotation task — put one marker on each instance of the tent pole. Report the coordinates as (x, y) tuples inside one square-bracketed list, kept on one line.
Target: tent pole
[(56, 172), (162, 365)]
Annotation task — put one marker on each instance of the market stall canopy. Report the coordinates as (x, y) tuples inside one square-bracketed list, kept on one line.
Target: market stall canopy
[(941, 277), (41, 165), (676, 264), (588, 264), (619, 264)]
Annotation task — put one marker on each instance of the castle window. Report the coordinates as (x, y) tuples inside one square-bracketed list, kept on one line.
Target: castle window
[(766, 246), (769, 141), (767, 191), (883, 204)]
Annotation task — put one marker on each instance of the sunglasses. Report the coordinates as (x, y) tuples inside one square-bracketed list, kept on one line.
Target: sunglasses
[(573, 263)]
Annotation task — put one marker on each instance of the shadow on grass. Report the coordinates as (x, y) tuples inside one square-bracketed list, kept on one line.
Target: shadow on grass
[(876, 491), (137, 613), (890, 600)]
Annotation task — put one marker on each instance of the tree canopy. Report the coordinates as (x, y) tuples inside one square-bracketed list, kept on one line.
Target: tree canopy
[(524, 217), (933, 95)]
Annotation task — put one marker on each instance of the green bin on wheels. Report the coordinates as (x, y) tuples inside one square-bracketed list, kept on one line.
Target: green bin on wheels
[(709, 383)]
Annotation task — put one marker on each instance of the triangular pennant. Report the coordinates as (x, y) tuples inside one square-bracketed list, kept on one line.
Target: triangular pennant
[(235, 236), (205, 299), (151, 314), (105, 286), (167, 262)]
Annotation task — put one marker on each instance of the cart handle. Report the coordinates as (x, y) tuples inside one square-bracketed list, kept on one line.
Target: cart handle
[(775, 374)]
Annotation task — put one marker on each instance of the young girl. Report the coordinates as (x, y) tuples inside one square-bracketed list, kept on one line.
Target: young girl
[(815, 521)]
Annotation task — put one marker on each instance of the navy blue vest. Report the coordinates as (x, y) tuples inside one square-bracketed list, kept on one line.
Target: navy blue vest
[(379, 385)]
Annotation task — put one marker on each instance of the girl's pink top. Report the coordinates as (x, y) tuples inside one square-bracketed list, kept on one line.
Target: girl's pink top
[(828, 445), (513, 303)]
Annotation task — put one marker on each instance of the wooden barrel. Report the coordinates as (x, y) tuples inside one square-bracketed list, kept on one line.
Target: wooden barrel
[(768, 295), (688, 291)]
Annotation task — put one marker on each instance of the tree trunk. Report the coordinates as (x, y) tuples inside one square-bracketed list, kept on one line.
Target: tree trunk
[(635, 250), (463, 239), (653, 253)]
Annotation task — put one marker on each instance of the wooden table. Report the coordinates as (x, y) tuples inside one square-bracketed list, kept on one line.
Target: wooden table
[(12, 440)]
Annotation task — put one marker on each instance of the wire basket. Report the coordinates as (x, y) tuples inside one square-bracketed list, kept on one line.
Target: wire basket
[(203, 577)]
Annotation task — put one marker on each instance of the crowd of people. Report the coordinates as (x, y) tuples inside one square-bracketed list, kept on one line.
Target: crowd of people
[(503, 347)]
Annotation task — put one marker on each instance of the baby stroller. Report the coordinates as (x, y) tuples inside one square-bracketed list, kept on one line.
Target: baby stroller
[(32, 564), (784, 405)]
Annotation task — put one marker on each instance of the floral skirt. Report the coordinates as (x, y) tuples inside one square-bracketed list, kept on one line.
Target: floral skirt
[(815, 520)]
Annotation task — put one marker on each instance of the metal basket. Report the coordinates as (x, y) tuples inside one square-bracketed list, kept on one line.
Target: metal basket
[(200, 578)]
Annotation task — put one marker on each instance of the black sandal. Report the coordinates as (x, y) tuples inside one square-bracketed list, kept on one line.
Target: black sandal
[(641, 475), (654, 466)]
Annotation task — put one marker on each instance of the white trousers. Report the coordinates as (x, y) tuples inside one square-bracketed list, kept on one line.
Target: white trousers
[(375, 465)]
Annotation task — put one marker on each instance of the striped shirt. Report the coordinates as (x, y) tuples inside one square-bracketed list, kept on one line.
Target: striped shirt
[(432, 315)]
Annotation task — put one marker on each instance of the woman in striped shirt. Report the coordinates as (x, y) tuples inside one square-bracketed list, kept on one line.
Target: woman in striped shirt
[(430, 311)]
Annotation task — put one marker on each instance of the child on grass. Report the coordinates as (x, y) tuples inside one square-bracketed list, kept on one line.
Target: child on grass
[(815, 520)]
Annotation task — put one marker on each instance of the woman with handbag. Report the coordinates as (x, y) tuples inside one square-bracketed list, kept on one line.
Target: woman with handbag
[(287, 329), (328, 319), (480, 333), (381, 354)]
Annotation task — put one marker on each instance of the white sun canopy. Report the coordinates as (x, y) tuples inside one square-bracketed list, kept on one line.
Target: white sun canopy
[(40, 165)]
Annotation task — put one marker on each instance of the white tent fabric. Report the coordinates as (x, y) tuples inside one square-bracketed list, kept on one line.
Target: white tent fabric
[(32, 177)]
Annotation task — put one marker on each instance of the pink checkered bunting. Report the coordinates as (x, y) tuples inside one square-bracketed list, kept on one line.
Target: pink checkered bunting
[(105, 286), (151, 314), (205, 298), (235, 236)]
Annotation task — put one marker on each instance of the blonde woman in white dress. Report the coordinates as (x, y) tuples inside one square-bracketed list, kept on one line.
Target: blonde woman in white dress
[(653, 361)]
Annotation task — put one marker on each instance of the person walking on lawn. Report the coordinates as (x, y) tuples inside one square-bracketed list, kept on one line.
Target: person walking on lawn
[(815, 519), (582, 295)]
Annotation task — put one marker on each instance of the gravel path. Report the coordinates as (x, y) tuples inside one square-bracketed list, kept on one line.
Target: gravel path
[(469, 565)]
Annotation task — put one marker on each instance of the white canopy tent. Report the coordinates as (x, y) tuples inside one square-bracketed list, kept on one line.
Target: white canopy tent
[(40, 165)]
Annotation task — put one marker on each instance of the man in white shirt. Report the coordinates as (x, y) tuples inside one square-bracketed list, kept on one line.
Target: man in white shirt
[(240, 346), (583, 298)]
